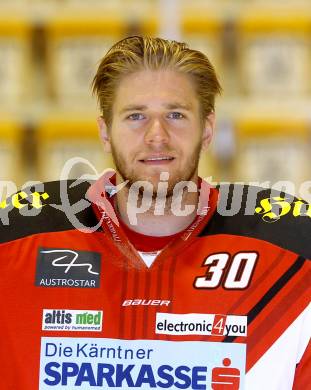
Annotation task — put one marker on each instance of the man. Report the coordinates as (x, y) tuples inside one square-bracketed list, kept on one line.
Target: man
[(166, 291)]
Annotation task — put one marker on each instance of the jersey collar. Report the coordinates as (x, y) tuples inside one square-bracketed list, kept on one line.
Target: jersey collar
[(100, 194)]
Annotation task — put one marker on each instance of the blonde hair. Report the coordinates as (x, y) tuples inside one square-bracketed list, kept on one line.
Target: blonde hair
[(137, 53)]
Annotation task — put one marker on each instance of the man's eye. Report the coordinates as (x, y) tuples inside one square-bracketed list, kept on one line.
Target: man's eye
[(136, 116), (175, 115)]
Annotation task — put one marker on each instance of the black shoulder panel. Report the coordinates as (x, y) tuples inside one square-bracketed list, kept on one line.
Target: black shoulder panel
[(265, 214), (48, 207)]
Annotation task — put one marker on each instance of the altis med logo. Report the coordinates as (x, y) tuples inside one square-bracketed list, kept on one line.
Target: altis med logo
[(72, 320), (87, 363)]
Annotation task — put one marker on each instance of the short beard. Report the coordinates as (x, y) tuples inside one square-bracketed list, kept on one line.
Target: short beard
[(132, 179)]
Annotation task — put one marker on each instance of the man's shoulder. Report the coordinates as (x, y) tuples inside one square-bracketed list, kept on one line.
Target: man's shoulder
[(266, 214), (45, 207)]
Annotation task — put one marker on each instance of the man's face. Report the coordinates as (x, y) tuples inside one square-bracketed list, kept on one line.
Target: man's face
[(156, 127)]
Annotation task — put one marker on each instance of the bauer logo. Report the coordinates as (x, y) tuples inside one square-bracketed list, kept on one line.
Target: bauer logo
[(201, 324), (67, 268), (72, 320)]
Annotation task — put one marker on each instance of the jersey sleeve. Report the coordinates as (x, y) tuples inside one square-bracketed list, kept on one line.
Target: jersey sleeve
[(303, 369)]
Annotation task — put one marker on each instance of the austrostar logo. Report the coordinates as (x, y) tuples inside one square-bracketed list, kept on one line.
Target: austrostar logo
[(63, 267), (67, 259)]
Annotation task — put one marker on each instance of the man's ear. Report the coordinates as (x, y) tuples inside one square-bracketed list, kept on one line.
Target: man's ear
[(104, 135), (208, 130)]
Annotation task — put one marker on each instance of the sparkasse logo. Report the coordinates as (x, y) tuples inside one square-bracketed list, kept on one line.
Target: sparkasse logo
[(72, 320)]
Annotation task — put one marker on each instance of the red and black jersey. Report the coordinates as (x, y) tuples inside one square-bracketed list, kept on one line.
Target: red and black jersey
[(223, 306)]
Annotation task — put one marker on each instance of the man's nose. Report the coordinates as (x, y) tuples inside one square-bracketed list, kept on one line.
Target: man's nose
[(157, 132)]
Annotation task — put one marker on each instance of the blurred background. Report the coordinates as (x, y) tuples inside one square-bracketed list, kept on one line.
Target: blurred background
[(50, 49)]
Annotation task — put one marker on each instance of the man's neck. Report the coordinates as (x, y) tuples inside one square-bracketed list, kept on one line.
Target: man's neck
[(176, 215)]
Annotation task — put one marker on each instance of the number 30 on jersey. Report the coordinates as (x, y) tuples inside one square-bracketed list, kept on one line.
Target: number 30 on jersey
[(233, 272)]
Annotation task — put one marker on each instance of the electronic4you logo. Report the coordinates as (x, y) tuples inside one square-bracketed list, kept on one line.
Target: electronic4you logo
[(67, 268)]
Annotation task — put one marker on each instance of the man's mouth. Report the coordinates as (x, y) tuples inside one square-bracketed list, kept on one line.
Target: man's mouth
[(157, 159)]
